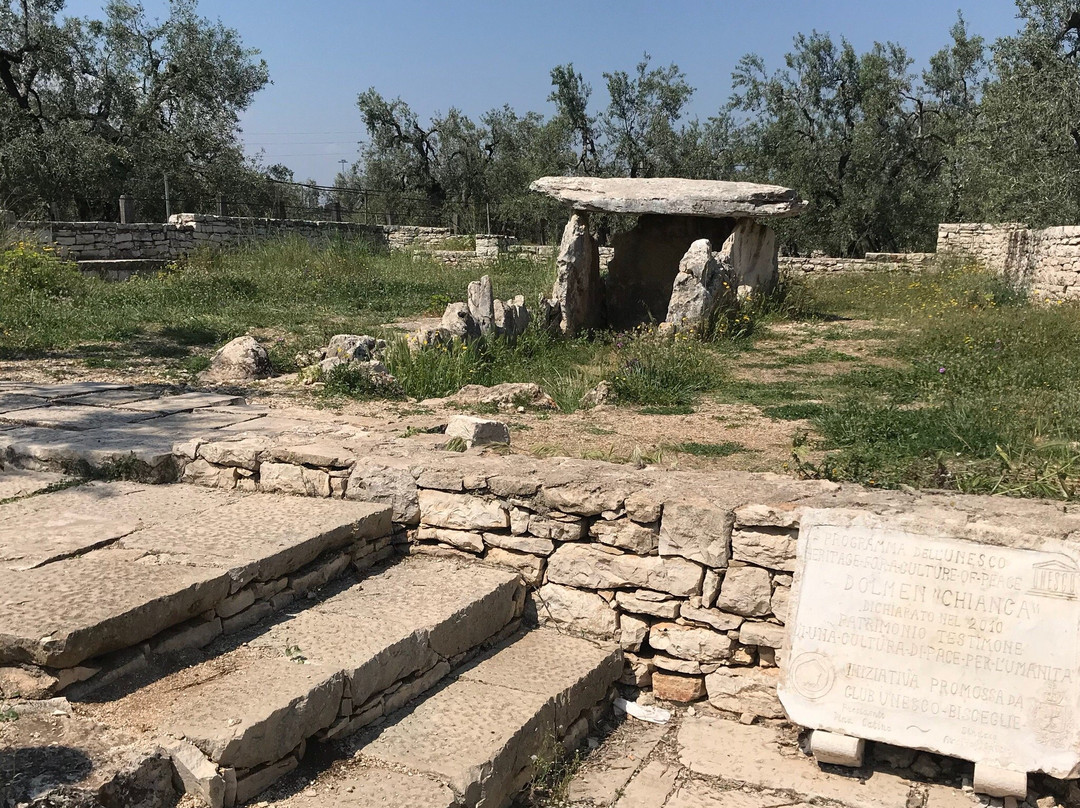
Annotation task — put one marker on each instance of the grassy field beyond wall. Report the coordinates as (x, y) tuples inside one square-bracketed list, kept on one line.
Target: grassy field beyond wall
[(947, 378)]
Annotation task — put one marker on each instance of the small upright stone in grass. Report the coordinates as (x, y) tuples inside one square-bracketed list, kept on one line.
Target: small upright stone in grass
[(477, 431), (241, 359)]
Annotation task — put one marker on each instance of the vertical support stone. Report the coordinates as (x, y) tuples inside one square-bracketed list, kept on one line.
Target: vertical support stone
[(577, 282), (752, 253), (837, 749), (481, 302), (996, 782), (697, 289), (127, 209), (221, 209)]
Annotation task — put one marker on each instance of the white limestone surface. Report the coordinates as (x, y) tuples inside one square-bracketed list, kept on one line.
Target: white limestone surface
[(936, 643)]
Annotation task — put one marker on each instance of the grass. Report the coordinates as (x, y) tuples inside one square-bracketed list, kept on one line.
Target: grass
[(968, 385), (723, 449), (296, 294)]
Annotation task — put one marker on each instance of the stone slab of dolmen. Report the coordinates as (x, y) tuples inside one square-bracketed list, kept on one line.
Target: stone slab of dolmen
[(702, 237)]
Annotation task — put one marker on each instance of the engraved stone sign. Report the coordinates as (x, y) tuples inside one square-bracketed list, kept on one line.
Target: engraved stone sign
[(937, 643)]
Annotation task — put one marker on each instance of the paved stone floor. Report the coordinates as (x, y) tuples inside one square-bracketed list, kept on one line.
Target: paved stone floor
[(703, 759)]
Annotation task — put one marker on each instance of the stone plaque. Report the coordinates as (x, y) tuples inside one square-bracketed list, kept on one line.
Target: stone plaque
[(934, 643)]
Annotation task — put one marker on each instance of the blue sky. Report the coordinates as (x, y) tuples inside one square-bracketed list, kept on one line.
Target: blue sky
[(478, 54)]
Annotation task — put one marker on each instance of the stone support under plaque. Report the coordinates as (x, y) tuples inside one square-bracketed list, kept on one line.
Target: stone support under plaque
[(839, 750), (937, 642)]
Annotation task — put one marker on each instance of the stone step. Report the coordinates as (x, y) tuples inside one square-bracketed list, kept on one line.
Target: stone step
[(242, 718), (97, 578), (478, 739)]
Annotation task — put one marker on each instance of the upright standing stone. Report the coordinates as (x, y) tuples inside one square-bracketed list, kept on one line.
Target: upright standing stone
[(697, 288), (577, 284), (751, 253), (482, 303)]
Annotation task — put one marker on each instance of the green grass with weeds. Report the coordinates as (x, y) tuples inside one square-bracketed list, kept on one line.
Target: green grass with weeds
[(723, 449)]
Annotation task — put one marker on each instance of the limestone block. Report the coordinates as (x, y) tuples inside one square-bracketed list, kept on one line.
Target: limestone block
[(245, 453), (530, 567), (696, 289), (556, 529), (678, 688), (197, 772), (998, 782), (633, 631), (643, 507), (769, 635), (751, 252), (671, 196), (638, 671), (721, 621), (521, 544), (643, 601), (698, 531), (573, 609), (389, 481), (837, 749), (692, 643), (710, 588), (781, 600), (481, 304), (199, 472), (239, 360), (477, 431), (687, 667), (626, 535), (457, 321), (26, 683), (774, 549), (461, 511), (285, 478), (461, 539), (594, 567), (346, 347), (577, 282), (745, 690), (746, 591)]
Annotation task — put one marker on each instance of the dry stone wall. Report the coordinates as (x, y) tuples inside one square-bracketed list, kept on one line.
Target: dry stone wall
[(186, 232), (873, 262), (690, 573), (1045, 261)]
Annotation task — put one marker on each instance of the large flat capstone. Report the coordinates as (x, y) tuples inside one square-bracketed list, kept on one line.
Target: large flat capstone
[(937, 643), (670, 196)]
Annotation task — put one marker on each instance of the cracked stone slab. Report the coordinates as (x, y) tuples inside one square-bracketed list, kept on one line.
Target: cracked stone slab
[(479, 737), (22, 482), (577, 671), (176, 552), (18, 401), (671, 196), (73, 417), (111, 398), (65, 523), (184, 402), (762, 757), (401, 620), (261, 536), (63, 390), (62, 614), (357, 786)]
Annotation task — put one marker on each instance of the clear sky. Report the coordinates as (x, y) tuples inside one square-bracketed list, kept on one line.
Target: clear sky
[(478, 54)]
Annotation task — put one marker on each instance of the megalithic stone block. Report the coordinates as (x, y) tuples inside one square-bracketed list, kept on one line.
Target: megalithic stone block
[(577, 283)]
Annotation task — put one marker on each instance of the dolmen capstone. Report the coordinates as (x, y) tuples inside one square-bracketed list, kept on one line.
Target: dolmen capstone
[(695, 241)]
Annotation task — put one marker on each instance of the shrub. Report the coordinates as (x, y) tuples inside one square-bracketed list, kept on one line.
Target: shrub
[(662, 370)]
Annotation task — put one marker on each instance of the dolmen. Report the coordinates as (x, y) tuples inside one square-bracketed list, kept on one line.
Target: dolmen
[(695, 242)]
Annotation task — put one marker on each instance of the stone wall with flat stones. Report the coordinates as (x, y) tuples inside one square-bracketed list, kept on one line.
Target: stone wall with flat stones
[(186, 232), (873, 262), (1045, 261), (690, 573)]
